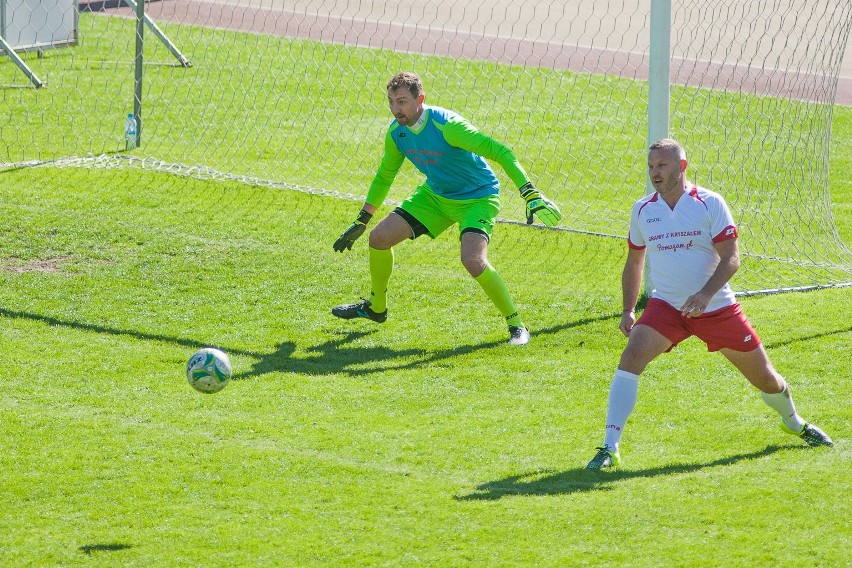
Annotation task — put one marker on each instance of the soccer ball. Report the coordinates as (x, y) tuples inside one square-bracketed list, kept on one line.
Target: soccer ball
[(208, 370)]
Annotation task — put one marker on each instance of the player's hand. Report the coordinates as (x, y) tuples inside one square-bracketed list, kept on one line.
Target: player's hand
[(628, 320), (540, 206), (355, 230), (695, 305), (349, 236)]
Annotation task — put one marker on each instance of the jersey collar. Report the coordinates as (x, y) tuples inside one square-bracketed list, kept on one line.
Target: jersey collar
[(418, 126)]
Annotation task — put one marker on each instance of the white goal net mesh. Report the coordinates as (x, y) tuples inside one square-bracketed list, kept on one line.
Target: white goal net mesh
[(292, 98)]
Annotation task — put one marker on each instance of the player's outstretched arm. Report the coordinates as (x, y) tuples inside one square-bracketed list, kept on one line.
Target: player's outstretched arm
[(461, 133), (540, 206), (353, 232)]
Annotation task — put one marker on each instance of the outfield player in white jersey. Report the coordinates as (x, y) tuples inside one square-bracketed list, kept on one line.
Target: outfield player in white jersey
[(690, 239), (460, 188)]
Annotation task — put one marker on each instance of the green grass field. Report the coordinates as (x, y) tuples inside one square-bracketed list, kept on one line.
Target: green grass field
[(425, 441), (422, 442)]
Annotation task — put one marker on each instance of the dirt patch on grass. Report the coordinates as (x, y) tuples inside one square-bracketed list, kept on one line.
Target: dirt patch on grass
[(14, 264)]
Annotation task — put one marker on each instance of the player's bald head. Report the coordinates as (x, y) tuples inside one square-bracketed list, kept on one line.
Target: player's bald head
[(669, 145)]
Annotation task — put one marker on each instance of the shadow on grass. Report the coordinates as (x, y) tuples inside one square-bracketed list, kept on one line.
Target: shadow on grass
[(785, 342), (335, 356), (90, 548), (95, 328), (580, 480), (339, 355)]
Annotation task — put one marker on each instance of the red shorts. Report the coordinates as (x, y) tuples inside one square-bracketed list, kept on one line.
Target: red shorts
[(727, 327)]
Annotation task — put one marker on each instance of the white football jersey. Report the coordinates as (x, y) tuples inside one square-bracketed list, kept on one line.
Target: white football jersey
[(679, 243)]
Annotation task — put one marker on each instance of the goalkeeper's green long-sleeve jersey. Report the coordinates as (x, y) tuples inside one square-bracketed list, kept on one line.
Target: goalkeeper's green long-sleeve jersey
[(450, 152)]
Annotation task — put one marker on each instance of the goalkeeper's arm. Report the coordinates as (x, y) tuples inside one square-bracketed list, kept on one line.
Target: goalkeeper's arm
[(461, 133), (379, 188)]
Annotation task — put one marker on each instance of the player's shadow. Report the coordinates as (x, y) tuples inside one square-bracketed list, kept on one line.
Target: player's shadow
[(581, 480), (785, 342), (341, 356), (336, 356), (98, 328)]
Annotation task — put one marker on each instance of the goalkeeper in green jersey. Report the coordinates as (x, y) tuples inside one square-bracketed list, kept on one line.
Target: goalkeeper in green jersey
[(460, 187)]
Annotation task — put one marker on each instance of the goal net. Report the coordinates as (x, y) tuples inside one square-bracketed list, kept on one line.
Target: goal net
[(293, 99)]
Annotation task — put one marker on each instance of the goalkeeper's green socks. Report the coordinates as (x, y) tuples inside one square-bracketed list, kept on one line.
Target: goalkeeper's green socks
[(381, 267), (495, 288)]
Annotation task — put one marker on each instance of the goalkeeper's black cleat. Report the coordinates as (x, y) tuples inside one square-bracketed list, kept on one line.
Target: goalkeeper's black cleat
[(359, 310), (518, 335)]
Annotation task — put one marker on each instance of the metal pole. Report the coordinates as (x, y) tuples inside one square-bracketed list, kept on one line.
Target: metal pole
[(11, 52), (140, 43), (20, 63), (659, 64), (161, 36)]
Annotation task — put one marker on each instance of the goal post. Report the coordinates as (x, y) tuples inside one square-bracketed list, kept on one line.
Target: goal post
[(138, 67), (659, 57)]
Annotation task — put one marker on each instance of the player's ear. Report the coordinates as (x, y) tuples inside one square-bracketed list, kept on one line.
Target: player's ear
[(420, 99), (683, 165)]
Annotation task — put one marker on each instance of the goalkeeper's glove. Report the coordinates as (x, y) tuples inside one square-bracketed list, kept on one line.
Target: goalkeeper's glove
[(538, 204), (355, 230)]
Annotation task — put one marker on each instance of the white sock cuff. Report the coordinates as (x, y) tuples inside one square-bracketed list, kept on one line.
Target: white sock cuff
[(784, 392), (627, 375)]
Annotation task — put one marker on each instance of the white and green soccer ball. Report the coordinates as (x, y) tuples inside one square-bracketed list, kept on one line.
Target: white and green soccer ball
[(208, 370)]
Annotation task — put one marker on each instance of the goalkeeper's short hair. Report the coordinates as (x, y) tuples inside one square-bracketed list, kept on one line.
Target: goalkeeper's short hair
[(407, 80)]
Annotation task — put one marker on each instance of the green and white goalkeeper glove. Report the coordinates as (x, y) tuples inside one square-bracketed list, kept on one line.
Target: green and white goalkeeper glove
[(539, 205), (355, 230)]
